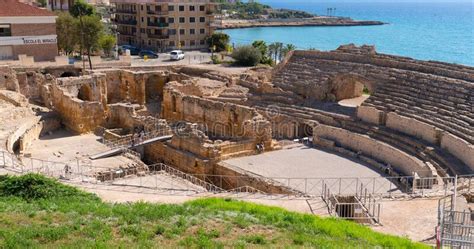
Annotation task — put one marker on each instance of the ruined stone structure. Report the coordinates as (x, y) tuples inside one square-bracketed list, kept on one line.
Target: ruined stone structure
[(417, 121), (423, 108)]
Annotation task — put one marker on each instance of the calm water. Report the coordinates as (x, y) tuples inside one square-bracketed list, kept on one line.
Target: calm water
[(428, 31)]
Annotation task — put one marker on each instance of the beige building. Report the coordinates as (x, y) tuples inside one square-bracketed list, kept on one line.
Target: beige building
[(28, 30), (163, 25)]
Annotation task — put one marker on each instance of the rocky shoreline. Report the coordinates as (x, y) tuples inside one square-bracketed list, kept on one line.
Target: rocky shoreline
[(316, 21)]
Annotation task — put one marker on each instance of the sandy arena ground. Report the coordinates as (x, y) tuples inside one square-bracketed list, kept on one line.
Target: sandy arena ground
[(65, 147), (305, 162)]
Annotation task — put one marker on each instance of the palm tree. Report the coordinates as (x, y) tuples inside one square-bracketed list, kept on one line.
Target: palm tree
[(272, 51), (289, 47)]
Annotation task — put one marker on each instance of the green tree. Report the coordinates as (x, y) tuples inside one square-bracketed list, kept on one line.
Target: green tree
[(92, 31), (66, 29), (263, 48), (219, 40), (42, 3), (246, 56), (288, 48), (107, 42), (79, 10)]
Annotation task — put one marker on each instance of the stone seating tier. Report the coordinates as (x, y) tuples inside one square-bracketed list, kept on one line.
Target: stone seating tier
[(439, 94)]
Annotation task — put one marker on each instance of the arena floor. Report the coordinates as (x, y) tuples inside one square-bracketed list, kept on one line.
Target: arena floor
[(307, 169)]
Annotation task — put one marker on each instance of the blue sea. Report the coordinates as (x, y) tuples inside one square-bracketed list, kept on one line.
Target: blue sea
[(442, 31)]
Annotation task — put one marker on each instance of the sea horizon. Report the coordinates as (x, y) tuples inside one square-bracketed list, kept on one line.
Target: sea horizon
[(426, 30)]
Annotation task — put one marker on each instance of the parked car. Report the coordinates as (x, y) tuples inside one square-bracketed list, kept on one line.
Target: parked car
[(133, 50), (149, 54), (176, 55)]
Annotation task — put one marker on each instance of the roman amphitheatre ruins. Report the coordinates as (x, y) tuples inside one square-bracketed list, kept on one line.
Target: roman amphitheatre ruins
[(344, 126)]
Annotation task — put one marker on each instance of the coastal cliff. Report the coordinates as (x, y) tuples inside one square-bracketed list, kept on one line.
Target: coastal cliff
[(293, 22)]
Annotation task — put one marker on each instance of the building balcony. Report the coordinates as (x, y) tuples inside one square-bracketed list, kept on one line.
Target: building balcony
[(158, 24), (126, 22), (125, 11), (159, 37), (128, 33), (157, 13)]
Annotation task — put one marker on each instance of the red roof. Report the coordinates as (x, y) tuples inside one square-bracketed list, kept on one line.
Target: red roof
[(15, 8)]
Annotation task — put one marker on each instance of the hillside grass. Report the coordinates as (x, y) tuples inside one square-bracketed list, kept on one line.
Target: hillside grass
[(38, 212)]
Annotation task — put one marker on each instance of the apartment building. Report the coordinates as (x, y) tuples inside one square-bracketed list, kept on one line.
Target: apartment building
[(64, 5), (162, 25), (25, 29)]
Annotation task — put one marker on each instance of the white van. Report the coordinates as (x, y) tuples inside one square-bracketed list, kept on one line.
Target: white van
[(177, 55)]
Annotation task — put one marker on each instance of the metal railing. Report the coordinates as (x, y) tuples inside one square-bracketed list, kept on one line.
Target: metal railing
[(376, 187), (456, 229), (136, 138), (361, 207), (188, 177)]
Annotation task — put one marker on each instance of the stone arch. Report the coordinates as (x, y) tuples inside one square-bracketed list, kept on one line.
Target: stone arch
[(154, 88), (347, 86), (85, 93), (304, 130)]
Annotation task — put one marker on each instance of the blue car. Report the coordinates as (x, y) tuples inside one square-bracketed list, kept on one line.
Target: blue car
[(149, 54), (133, 50)]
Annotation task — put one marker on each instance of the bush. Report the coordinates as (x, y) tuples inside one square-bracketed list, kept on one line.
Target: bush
[(34, 186), (246, 56), (216, 59)]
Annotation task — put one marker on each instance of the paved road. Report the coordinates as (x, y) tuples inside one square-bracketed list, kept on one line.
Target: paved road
[(190, 57)]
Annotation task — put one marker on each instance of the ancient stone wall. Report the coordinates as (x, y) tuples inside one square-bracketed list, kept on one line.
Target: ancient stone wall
[(81, 101), (399, 160), (39, 129), (413, 127), (8, 79), (135, 87), (221, 119), (459, 148)]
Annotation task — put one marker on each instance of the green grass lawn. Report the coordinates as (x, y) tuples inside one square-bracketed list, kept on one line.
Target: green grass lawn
[(39, 212)]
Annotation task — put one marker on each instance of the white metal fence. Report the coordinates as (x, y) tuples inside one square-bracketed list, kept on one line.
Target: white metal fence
[(84, 171)]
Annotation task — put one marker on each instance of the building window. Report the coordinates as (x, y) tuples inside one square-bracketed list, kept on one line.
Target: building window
[(171, 20), (192, 19), (148, 7), (202, 8), (172, 32), (158, 8), (202, 19), (171, 43), (183, 43), (171, 8), (192, 31), (202, 31), (182, 31), (149, 42), (5, 30), (202, 42), (143, 19), (181, 8), (192, 8), (192, 43), (141, 7), (182, 20)]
